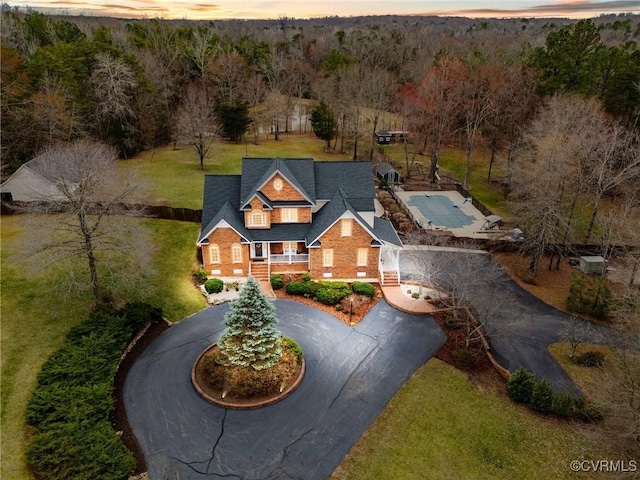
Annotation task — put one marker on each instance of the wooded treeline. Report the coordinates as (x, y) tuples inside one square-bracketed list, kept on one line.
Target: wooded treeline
[(136, 84)]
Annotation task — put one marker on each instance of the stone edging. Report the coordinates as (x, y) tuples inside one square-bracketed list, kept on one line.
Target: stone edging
[(244, 406)]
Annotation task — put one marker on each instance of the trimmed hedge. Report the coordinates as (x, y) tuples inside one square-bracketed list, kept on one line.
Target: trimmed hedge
[(520, 385), (363, 288), (297, 288), (71, 403), (276, 281), (524, 388), (331, 296), (214, 285)]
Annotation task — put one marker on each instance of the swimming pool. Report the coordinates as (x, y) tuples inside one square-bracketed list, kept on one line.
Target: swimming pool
[(440, 210)]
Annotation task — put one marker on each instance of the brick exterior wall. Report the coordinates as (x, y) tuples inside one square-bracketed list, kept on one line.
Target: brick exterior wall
[(256, 204), (345, 253), (225, 238), (304, 215), (287, 192)]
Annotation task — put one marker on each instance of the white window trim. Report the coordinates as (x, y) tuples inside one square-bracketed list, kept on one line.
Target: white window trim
[(291, 217), (214, 258), (346, 227), (263, 218), (327, 257), (292, 248), (363, 254), (236, 253)]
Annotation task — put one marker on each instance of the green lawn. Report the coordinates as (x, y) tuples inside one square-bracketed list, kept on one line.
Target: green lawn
[(440, 425), (173, 177), (35, 318)]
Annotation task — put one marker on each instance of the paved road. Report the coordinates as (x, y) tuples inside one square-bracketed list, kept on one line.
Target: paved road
[(351, 375), (520, 326)]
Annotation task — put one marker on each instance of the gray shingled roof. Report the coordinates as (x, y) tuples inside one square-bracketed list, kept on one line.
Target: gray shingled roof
[(355, 178), (385, 168), (221, 202), (257, 171), (348, 186), (330, 213), (385, 231)]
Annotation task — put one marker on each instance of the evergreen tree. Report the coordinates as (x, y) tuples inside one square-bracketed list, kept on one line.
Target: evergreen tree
[(251, 338), (234, 120), (323, 123)]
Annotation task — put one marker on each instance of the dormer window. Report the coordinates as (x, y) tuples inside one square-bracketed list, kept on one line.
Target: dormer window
[(277, 184), (257, 218)]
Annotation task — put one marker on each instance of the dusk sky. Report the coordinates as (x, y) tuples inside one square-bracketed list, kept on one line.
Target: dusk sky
[(255, 9)]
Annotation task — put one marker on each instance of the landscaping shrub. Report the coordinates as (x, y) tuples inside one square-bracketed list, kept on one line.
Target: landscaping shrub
[(294, 347), (339, 307), (415, 296), (563, 404), (70, 406), (214, 285), (276, 281), (520, 385), (297, 288), (232, 286), (589, 295), (590, 358), (586, 411), (542, 396), (331, 296), (464, 357), (363, 288), (306, 277), (200, 275)]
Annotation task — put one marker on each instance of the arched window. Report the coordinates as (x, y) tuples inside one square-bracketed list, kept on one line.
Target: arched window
[(236, 253), (257, 218)]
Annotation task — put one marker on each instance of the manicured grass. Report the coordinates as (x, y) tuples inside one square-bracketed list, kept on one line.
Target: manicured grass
[(590, 380), (35, 319), (440, 425), (173, 177), (173, 261), (34, 323)]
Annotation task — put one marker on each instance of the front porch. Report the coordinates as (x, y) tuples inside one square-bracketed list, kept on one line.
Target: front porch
[(278, 257)]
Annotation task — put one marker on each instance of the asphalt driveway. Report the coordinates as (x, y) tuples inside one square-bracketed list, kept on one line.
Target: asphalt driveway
[(520, 326), (352, 373)]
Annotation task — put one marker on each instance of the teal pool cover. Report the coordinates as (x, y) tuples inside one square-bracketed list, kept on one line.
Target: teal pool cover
[(439, 210)]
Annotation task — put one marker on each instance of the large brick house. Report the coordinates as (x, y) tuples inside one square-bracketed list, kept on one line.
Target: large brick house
[(297, 215)]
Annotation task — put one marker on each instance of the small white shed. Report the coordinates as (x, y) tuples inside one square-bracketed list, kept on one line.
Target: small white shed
[(593, 264)]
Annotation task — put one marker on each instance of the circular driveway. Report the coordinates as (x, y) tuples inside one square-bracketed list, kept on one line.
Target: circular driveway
[(352, 373)]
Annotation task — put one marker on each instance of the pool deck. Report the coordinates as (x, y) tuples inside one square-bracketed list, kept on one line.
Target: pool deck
[(468, 231)]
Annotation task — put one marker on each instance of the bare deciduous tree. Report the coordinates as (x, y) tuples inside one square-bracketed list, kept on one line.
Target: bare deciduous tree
[(90, 194), (195, 120)]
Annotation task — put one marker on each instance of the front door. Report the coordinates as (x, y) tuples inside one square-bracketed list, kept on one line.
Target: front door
[(258, 250)]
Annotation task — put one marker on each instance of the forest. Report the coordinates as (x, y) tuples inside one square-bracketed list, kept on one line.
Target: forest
[(556, 100)]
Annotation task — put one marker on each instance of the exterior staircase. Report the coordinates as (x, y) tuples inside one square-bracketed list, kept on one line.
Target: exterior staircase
[(260, 271), (390, 278)]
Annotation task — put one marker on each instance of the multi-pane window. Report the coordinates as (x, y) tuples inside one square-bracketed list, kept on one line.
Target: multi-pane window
[(236, 253), (214, 254), (289, 248), (257, 218), (288, 215), (346, 227), (327, 257), (362, 257)]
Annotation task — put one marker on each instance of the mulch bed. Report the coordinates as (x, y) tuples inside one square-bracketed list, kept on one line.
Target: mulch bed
[(119, 418), (480, 370), (361, 305), (252, 388)]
